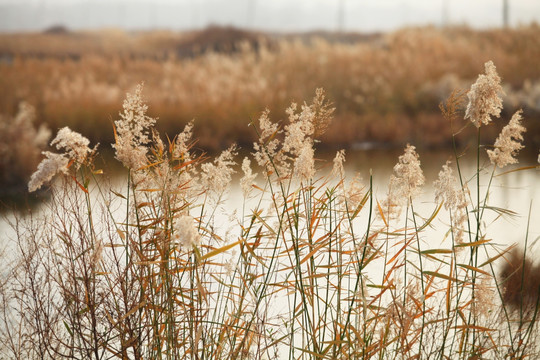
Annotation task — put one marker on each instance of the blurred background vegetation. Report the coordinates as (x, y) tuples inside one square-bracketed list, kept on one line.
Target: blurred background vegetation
[(386, 87), (383, 66)]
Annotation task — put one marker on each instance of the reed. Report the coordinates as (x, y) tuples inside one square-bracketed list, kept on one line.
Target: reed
[(379, 85), (21, 143), (312, 265)]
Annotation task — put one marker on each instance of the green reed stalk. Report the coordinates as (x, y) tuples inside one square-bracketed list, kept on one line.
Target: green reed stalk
[(421, 279), (360, 262)]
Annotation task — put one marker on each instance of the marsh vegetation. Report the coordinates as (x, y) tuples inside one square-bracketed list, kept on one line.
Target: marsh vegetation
[(313, 264)]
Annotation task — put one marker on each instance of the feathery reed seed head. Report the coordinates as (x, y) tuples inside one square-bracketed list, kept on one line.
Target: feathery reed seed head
[(299, 131), (26, 114), (323, 112), (484, 99), (181, 146), (454, 200), (217, 176), (74, 144), (444, 186), (47, 169), (407, 177), (508, 142), (484, 295), (338, 169), (247, 180), (24, 120), (268, 128), (132, 131), (185, 233), (304, 164), (266, 149), (355, 192), (303, 126), (75, 148)]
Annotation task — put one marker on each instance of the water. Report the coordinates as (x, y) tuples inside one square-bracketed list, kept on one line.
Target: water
[(517, 191)]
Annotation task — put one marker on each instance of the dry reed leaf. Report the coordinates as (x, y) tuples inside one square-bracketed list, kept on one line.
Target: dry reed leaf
[(381, 213), (221, 249), (475, 269), (441, 276)]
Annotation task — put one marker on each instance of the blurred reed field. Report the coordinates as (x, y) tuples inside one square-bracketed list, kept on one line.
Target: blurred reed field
[(313, 264), (386, 87), (21, 143)]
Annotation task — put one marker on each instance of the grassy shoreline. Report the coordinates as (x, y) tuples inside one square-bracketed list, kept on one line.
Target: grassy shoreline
[(386, 87), (313, 264)]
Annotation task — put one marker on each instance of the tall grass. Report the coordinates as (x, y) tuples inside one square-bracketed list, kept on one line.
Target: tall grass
[(388, 82), (313, 265), (21, 143)]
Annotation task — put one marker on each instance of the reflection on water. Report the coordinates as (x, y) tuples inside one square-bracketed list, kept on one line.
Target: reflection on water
[(516, 191)]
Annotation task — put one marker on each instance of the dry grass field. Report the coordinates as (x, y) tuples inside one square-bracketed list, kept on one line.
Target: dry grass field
[(312, 264), (386, 87)]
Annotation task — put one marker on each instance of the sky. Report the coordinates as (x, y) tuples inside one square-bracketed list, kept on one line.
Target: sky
[(269, 15)]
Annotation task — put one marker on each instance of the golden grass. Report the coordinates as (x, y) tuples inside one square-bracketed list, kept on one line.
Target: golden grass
[(385, 87), (310, 266)]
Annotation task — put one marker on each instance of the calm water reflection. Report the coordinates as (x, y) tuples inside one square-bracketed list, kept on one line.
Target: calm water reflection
[(515, 191)]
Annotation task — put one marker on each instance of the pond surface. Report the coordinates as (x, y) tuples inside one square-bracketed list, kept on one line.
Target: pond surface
[(517, 191)]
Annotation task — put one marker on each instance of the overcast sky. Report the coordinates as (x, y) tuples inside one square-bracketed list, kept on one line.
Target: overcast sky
[(273, 15)]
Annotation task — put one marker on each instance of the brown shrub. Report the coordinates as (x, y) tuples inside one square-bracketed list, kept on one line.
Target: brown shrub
[(521, 281)]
